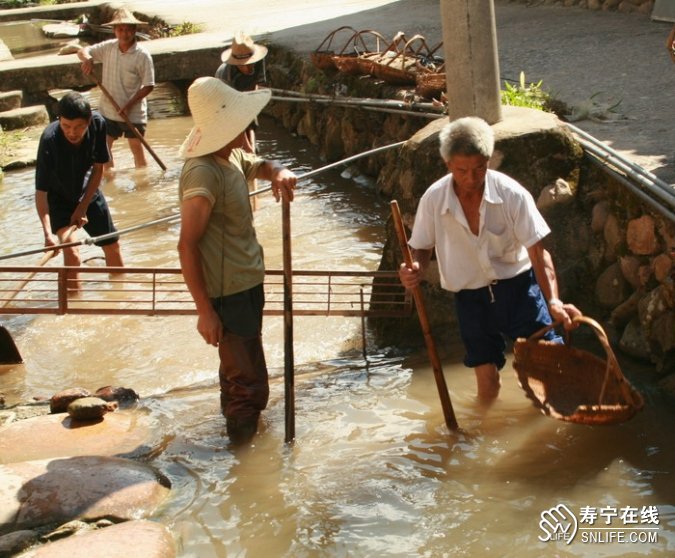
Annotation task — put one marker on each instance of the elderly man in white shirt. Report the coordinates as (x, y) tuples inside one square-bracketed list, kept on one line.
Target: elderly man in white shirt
[(129, 77), (487, 233)]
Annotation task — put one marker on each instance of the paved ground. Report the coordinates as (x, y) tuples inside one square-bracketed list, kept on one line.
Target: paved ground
[(590, 60)]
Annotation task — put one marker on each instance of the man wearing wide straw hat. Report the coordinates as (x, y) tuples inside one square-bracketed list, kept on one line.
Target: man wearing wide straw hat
[(243, 68), (129, 77), (221, 259)]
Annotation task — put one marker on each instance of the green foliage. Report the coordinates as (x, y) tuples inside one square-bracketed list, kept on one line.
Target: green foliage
[(185, 28), (525, 95), (11, 4)]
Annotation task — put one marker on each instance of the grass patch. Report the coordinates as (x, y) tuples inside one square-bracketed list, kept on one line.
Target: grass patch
[(525, 95), (9, 140), (185, 28)]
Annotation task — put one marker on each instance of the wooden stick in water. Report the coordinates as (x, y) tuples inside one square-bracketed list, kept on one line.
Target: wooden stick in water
[(128, 122), (443, 393)]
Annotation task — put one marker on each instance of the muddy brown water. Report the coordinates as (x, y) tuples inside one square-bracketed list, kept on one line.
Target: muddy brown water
[(373, 470)]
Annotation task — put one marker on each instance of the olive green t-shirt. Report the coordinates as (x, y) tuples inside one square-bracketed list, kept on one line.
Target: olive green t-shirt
[(232, 258)]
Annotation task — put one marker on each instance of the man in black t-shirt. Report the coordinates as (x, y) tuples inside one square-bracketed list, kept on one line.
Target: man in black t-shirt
[(70, 159)]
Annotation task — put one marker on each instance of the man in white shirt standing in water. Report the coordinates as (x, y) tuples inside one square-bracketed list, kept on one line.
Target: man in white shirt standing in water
[(129, 77), (487, 233)]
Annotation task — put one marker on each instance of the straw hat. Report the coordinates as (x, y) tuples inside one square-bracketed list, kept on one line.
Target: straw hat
[(220, 114), (243, 51), (123, 16)]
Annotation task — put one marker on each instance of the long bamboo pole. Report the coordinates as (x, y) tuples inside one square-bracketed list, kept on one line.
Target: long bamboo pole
[(175, 217), (129, 123), (443, 393), (289, 365)]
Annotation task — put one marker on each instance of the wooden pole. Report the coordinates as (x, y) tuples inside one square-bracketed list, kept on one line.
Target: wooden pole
[(289, 379), (448, 412), (128, 122)]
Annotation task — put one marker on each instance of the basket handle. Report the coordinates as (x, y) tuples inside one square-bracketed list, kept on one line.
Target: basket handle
[(612, 363), (433, 50), (395, 42), (357, 37), (331, 35), (408, 49)]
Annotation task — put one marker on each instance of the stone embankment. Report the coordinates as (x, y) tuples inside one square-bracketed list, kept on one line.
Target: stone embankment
[(79, 475), (614, 254)]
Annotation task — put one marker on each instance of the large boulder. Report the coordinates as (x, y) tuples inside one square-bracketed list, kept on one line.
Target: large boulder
[(123, 433), (54, 491), (133, 538)]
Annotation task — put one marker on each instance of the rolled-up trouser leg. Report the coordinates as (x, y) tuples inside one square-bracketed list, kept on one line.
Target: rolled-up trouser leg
[(244, 388)]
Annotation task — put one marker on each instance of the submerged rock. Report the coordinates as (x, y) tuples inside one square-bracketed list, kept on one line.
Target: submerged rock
[(90, 408), (52, 436), (56, 491), (125, 397), (59, 401), (133, 538)]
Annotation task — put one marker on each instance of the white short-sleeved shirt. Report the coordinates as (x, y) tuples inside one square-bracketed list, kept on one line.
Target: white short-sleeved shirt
[(509, 224), (124, 73)]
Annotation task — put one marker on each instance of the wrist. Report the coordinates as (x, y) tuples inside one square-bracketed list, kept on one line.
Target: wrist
[(555, 302)]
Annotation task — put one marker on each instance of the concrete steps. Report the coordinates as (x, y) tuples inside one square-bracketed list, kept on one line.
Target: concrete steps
[(24, 117)]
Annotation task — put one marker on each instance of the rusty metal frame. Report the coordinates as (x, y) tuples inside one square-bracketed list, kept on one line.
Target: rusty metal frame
[(151, 291)]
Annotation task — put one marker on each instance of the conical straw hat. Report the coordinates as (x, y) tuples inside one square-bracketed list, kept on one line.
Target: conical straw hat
[(220, 114)]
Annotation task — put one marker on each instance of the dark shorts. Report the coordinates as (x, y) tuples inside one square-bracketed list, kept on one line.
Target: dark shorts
[(241, 313), (511, 307), (99, 220), (116, 129)]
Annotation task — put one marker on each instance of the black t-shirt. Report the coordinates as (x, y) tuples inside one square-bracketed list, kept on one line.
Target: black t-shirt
[(230, 74), (62, 169)]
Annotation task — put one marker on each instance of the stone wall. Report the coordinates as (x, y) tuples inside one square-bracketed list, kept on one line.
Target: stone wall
[(625, 6), (613, 254)]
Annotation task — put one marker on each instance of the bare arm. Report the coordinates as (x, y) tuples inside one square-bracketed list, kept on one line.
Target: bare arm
[(42, 206), (412, 277), (195, 213), (544, 271), (283, 180), (140, 94), (87, 61)]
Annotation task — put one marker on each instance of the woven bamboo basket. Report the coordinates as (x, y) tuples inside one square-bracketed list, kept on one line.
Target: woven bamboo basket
[(367, 59), (398, 66), (363, 43), (430, 76), (322, 57), (574, 385), (430, 84)]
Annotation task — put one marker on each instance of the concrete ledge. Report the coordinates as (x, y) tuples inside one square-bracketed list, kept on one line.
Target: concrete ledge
[(177, 58), (10, 100), (24, 117)]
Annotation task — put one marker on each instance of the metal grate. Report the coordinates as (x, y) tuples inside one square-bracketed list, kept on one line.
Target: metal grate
[(162, 292)]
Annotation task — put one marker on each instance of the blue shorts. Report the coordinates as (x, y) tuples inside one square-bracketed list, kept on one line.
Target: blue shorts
[(510, 307), (116, 129), (99, 220)]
